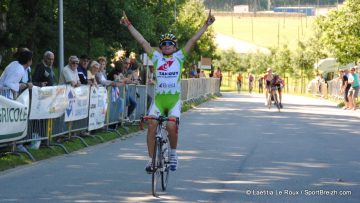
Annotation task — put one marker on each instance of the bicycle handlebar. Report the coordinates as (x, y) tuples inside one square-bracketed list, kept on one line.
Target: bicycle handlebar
[(160, 118)]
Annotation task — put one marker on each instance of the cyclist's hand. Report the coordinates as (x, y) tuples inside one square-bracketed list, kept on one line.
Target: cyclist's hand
[(124, 20), (210, 20)]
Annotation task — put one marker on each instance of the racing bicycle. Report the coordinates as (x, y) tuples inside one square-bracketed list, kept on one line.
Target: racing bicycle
[(273, 96), (161, 155)]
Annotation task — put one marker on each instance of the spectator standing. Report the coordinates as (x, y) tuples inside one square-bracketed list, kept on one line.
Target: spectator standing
[(148, 79), (69, 74), (116, 74), (133, 71), (202, 74), (128, 73), (193, 71), (101, 77), (15, 71), (218, 74), (239, 79), (44, 72), (82, 68), (261, 87), (251, 82), (354, 89), (93, 70), (27, 77), (345, 88)]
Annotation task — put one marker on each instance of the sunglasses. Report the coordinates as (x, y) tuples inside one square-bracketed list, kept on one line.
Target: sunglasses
[(167, 43), (73, 63)]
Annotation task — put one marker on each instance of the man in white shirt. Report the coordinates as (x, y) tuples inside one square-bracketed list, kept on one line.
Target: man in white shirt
[(15, 71)]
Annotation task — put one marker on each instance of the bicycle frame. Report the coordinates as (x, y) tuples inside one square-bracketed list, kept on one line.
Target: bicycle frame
[(160, 159), (272, 93)]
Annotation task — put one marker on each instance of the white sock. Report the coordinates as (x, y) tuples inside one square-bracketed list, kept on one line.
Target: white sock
[(173, 152)]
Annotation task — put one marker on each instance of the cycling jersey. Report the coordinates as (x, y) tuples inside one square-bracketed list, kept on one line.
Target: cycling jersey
[(167, 71), (274, 81)]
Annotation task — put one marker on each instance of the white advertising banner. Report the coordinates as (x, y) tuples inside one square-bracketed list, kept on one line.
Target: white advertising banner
[(78, 103), (98, 107), (48, 102), (14, 117)]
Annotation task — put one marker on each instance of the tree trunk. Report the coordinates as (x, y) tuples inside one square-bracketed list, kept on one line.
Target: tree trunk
[(269, 5), (2, 32)]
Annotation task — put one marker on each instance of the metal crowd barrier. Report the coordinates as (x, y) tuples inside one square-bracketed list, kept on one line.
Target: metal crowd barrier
[(329, 89), (334, 88), (44, 130)]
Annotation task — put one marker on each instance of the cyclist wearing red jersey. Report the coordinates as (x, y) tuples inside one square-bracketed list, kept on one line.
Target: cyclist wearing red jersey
[(168, 66)]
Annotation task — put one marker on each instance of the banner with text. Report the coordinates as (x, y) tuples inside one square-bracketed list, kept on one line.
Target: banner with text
[(48, 102), (98, 107), (13, 117), (78, 103)]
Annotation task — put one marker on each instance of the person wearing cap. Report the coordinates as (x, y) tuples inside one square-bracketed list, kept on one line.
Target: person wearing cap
[(82, 69), (168, 66), (69, 74)]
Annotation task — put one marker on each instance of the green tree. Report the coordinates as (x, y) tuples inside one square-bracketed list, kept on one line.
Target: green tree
[(339, 31), (229, 61), (191, 17), (258, 62), (281, 61), (92, 27), (303, 61)]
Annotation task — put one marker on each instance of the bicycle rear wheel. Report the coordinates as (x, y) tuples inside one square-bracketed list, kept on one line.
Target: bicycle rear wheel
[(165, 163), (156, 159), (276, 102)]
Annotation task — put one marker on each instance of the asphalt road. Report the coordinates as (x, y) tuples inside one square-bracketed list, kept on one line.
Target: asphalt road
[(231, 149)]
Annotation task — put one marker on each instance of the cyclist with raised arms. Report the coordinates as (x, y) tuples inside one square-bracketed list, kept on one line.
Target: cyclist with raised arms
[(168, 66)]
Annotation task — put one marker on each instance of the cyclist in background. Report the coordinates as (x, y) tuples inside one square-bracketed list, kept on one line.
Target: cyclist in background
[(273, 81), (168, 66), (267, 80), (278, 83), (239, 82), (251, 82)]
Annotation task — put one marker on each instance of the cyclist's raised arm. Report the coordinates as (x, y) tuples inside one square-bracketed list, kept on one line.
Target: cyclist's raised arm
[(136, 34), (200, 32)]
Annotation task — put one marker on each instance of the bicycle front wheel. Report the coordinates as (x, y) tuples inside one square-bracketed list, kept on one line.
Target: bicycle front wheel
[(276, 102), (156, 159), (165, 164), (269, 100)]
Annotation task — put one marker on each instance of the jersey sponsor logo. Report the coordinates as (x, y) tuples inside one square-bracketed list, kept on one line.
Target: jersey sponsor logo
[(165, 66), (167, 85), (169, 73)]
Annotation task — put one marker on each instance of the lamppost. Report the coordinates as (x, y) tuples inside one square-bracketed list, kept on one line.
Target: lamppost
[(61, 35)]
